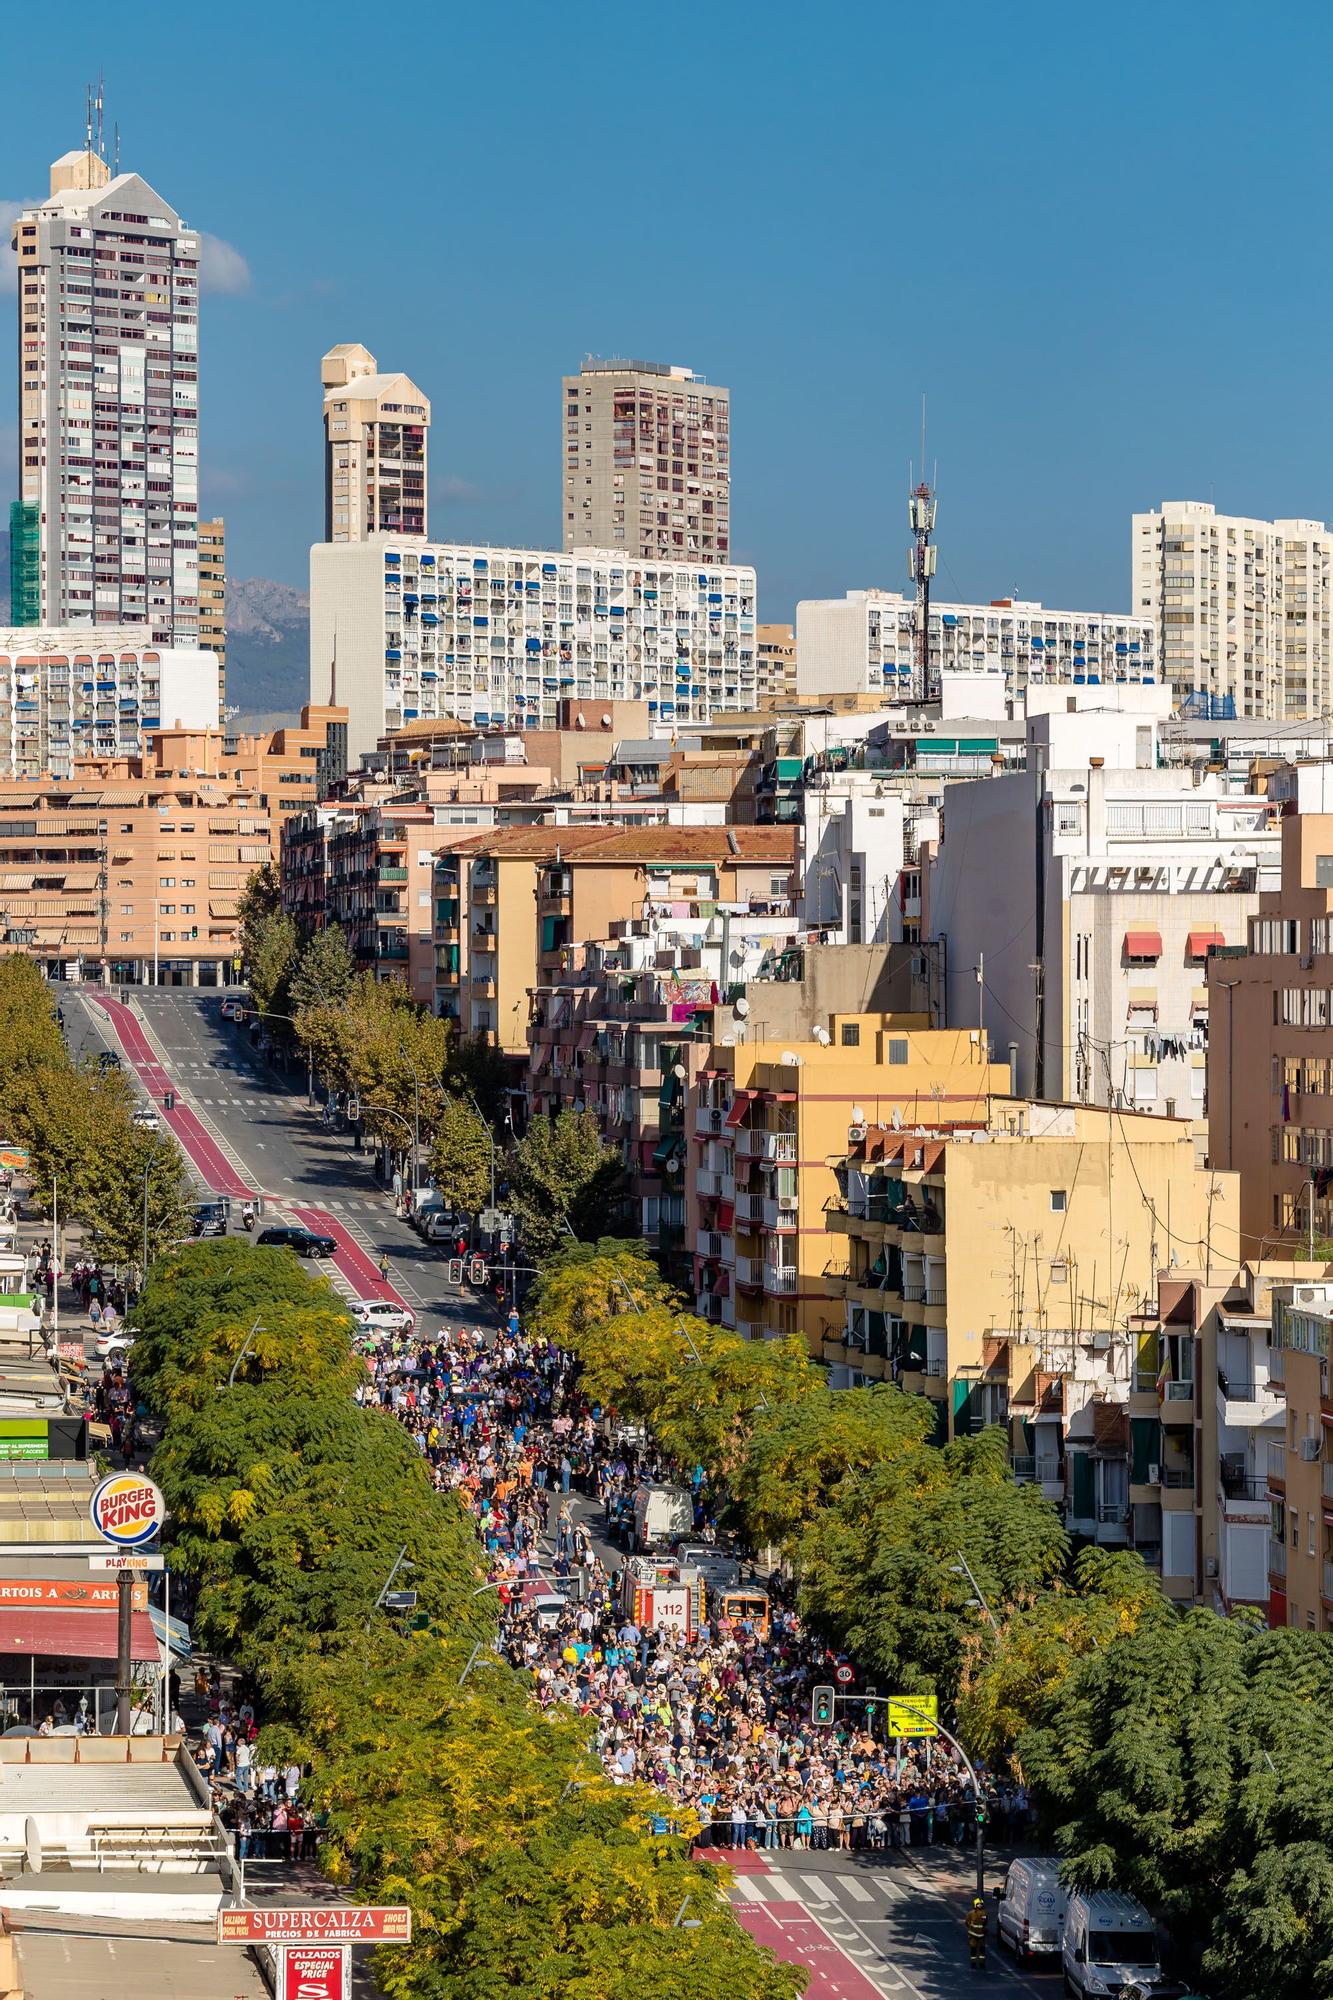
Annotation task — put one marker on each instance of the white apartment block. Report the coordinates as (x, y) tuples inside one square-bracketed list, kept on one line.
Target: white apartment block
[(1078, 902), (867, 640), (64, 695), (106, 525), (376, 433), (647, 461), (1241, 608), (503, 635)]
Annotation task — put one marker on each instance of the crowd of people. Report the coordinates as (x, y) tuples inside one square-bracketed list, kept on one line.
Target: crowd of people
[(718, 1722)]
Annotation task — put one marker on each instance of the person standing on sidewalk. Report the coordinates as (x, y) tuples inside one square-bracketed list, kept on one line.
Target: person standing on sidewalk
[(976, 1935)]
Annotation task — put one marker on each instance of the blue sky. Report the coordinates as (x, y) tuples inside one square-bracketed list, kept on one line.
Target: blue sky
[(1094, 237)]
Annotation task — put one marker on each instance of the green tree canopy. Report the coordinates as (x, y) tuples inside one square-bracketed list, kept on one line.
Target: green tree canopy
[(324, 970), (460, 1156), (561, 1171)]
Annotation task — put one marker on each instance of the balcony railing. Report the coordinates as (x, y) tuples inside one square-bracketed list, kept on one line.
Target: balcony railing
[(1112, 1513), (707, 1121), (935, 1295), (1328, 1581), (1180, 1392), (780, 1278), (780, 1213), (1328, 1479), (1047, 1470), (1277, 1462), (1177, 1477), (1277, 1558), (749, 1270)]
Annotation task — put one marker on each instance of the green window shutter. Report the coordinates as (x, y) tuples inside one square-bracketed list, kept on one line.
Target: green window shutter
[(1144, 1444), (1083, 1502)]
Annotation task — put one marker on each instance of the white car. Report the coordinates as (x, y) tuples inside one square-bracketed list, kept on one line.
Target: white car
[(381, 1316), (113, 1346), (147, 1119)]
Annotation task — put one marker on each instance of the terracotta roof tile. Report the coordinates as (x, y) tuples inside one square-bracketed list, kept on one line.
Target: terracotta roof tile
[(761, 844)]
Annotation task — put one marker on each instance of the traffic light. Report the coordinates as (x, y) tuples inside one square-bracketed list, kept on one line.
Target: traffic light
[(455, 1270), (476, 1270), (821, 1707)]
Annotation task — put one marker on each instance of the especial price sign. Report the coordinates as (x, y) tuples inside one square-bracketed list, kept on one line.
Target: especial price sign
[(127, 1510)]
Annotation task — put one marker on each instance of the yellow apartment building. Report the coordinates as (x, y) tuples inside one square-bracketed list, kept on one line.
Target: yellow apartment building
[(768, 1122), (213, 598), (999, 1269), (524, 894)]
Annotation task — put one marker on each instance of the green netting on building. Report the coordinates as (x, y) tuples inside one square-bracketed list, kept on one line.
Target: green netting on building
[(25, 564)]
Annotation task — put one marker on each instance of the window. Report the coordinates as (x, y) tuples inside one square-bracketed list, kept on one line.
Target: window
[(167, 882), (851, 1034), (897, 1051), (1059, 1200)]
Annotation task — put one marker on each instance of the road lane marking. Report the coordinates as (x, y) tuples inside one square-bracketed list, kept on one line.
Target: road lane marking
[(818, 1888), (854, 1888)]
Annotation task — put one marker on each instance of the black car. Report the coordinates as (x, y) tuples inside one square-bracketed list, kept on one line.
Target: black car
[(210, 1219), (108, 1059), (304, 1242)]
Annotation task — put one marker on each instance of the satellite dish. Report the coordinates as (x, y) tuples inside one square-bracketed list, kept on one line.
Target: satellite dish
[(741, 1008), (897, 1119), (32, 1846), (858, 1115), (728, 1041), (822, 1036), (680, 1072), (579, 723), (789, 1060)]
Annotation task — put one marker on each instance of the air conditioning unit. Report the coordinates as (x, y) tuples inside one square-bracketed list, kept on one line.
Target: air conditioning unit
[(1306, 1295), (788, 1203), (1154, 1475), (856, 1131), (1307, 962), (1210, 1566), (1310, 1449), (1099, 1341)]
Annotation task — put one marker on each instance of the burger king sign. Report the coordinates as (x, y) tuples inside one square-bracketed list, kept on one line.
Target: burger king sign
[(127, 1509)]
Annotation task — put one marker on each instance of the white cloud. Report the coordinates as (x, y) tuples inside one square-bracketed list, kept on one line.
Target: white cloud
[(221, 267), (8, 266)]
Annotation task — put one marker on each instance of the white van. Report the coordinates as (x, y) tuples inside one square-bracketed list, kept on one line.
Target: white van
[(1108, 1941), (1033, 1906)]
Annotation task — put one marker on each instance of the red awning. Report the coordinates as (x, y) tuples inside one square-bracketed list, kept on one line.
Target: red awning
[(740, 1104), (587, 1036), (1143, 944), (1202, 942), (726, 1214), (73, 1634)]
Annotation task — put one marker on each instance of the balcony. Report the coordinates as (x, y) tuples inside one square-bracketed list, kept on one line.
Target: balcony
[(756, 1142), (1328, 1479), (1328, 1581), (1277, 1464), (708, 1122), (483, 895), (483, 985), (780, 1279), (749, 1211), (1248, 1405), (707, 1182), (391, 874), (749, 1271), (780, 1213), (711, 1243), (1178, 1405), (1277, 1558)]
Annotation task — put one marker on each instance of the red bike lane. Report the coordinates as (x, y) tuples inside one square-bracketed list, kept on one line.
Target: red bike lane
[(791, 1933), (212, 1164)]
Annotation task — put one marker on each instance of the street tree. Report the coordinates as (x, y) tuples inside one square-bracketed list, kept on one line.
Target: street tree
[(560, 1172), (460, 1156), (324, 970), (479, 1068)]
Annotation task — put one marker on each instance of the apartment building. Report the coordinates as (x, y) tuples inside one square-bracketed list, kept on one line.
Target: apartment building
[(1241, 608), (1081, 901), (376, 439), (766, 1117), (1208, 1428), (993, 1258), (129, 881), (647, 462), (1270, 1063), (1300, 1462), (525, 894), (775, 664), (282, 771), (106, 524), (867, 640), (64, 697), (485, 634), (213, 598), (619, 1029)]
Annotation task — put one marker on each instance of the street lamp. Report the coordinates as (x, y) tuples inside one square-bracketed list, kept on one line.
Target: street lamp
[(963, 1568), (401, 1563), (258, 1327), (680, 1922), (416, 1115)]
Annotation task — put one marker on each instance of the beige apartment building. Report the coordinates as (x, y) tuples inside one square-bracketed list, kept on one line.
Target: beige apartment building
[(647, 462), (376, 436), (1241, 607), (128, 880), (281, 771), (213, 598), (1270, 1055), (775, 664), (1300, 1464)]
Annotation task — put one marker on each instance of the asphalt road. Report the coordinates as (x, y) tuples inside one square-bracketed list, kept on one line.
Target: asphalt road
[(864, 1925), (245, 1126)]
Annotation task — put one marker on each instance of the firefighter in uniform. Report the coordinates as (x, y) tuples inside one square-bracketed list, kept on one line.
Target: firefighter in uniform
[(976, 1934)]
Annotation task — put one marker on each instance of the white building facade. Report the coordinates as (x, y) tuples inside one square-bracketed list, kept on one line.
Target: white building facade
[(502, 635), (1078, 904), (867, 640), (69, 694), (1241, 608), (106, 526)]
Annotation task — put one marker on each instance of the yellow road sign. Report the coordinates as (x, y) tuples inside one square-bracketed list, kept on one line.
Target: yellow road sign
[(914, 1715)]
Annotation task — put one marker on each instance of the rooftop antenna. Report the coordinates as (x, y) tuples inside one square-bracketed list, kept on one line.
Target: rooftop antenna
[(101, 117), (88, 119), (921, 564), (115, 153)]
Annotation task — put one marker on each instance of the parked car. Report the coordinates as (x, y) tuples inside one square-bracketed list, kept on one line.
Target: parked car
[(304, 1242), (439, 1227), (382, 1316), (113, 1346), (1033, 1906), (147, 1118), (108, 1059), (229, 1010), (1109, 1942)]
